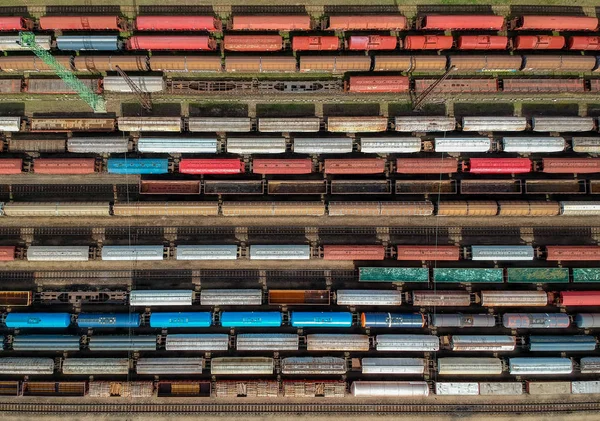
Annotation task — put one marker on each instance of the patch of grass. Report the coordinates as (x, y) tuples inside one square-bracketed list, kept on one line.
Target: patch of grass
[(285, 110), (349, 109), (218, 109)]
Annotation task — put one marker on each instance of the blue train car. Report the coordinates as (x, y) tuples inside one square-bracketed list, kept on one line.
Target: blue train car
[(138, 166), (407, 320), (321, 319), (88, 42), (91, 320), (251, 318), (38, 320), (562, 343), (587, 320), (174, 319)]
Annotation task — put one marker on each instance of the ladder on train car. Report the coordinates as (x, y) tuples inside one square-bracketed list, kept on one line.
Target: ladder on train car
[(143, 97), (421, 99), (95, 101)]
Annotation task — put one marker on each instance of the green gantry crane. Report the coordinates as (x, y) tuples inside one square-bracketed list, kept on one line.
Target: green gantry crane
[(95, 101)]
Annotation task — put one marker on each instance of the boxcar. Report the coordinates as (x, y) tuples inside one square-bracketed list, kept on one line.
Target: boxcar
[(11, 166), (197, 342), (540, 366), (149, 124), (101, 320), (146, 84), (241, 366), (99, 145), (12, 43), (460, 22), (562, 343), (271, 23), (424, 124), (281, 166), (499, 253), (171, 43), (535, 320), (219, 297), (500, 388), (37, 343), (320, 319), (178, 320), (96, 64), (283, 252), (457, 388), (253, 64), (585, 387), (64, 165), (169, 366), (457, 86), (465, 144), (247, 146), (367, 252), (322, 145), (206, 252), (251, 318), (20, 366), (393, 365), (368, 22), (58, 253), (137, 166), (80, 23), (471, 366), (122, 343), (432, 165), (266, 342), (389, 389), (38, 320), (378, 84), (185, 64), (402, 320), (166, 209), (383, 145), (161, 297), (177, 23), (441, 298), (363, 297), (337, 342), (589, 365), (427, 343), (133, 253), (482, 342), (313, 365), (578, 208), (354, 166)]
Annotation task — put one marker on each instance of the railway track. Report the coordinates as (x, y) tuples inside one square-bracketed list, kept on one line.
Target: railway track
[(258, 408)]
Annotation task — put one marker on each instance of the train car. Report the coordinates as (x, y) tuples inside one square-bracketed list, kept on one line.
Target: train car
[(320, 319), (13, 43), (385, 145), (7, 253), (421, 63), (275, 209), (122, 343), (297, 125), (553, 63), (389, 389), (235, 297), (500, 388), (185, 64), (99, 145), (571, 165), (427, 343), (313, 365), (37, 320), (357, 124), (30, 209), (462, 144), (538, 42), (453, 366), (271, 23), (589, 365), (80, 23), (197, 342), (354, 166), (11, 166), (177, 145), (585, 387), (211, 166), (530, 85), (281, 166), (251, 319), (498, 165), (337, 342), (566, 343), (315, 43), (135, 253), (10, 124), (555, 23), (572, 253), (562, 124), (266, 342), (579, 298), (149, 124), (533, 144), (322, 145), (393, 366), (167, 320), (468, 276), (98, 64), (171, 43), (584, 43), (256, 145), (445, 165), (363, 297), (493, 343), (428, 42), (15, 23), (177, 23), (378, 84), (573, 208), (14, 298), (206, 252), (166, 209), (423, 208), (246, 388), (169, 366), (155, 297), (254, 64), (219, 124), (21, 366), (44, 144), (252, 43), (458, 86), (539, 366), (457, 388), (276, 252), (113, 320), (241, 366), (86, 42), (100, 389), (535, 320), (58, 253), (146, 84), (460, 22), (528, 208), (482, 42), (587, 320), (59, 86), (428, 253), (514, 298), (367, 22), (51, 343), (367, 252), (494, 124), (402, 320), (371, 42), (463, 320), (64, 165), (441, 298), (137, 166)]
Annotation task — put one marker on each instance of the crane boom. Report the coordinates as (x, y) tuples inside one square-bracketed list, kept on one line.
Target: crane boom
[(144, 98), (95, 101), (420, 101)]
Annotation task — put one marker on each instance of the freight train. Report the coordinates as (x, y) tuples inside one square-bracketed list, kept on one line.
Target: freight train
[(304, 252)]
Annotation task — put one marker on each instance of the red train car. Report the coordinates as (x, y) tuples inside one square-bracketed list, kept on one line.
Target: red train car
[(555, 23), (7, 253), (15, 23), (543, 85), (371, 252), (271, 23), (482, 42), (452, 22), (282, 166), (253, 42), (498, 165), (170, 187), (355, 166), (538, 42), (571, 165), (211, 166), (177, 23), (426, 165), (371, 42), (457, 86), (370, 22), (171, 42), (315, 43), (10, 166), (418, 253), (81, 23), (428, 42), (584, 43), (64, 166), (580, 298), (367, 84), (572, 253)]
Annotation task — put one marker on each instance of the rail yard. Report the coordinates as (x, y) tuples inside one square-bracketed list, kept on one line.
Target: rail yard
[(239, 210)]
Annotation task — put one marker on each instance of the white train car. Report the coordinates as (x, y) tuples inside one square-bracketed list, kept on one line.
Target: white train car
[(132, 253), (424, 124), (494, 124), (237, 297), (540, 365), (469, 366), (514, 298), (197, 342), (352, 297), (318, 145), (252, 145), (462, 144), (161, 297), (58, 253), (177, 145), (389, 389), (562, 124), (457, 388), (242, 366), (426, 343), (533, 144), (206, 252), (384, 145), (393, 366), (101, 145), (276, 252), (267, 342)]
